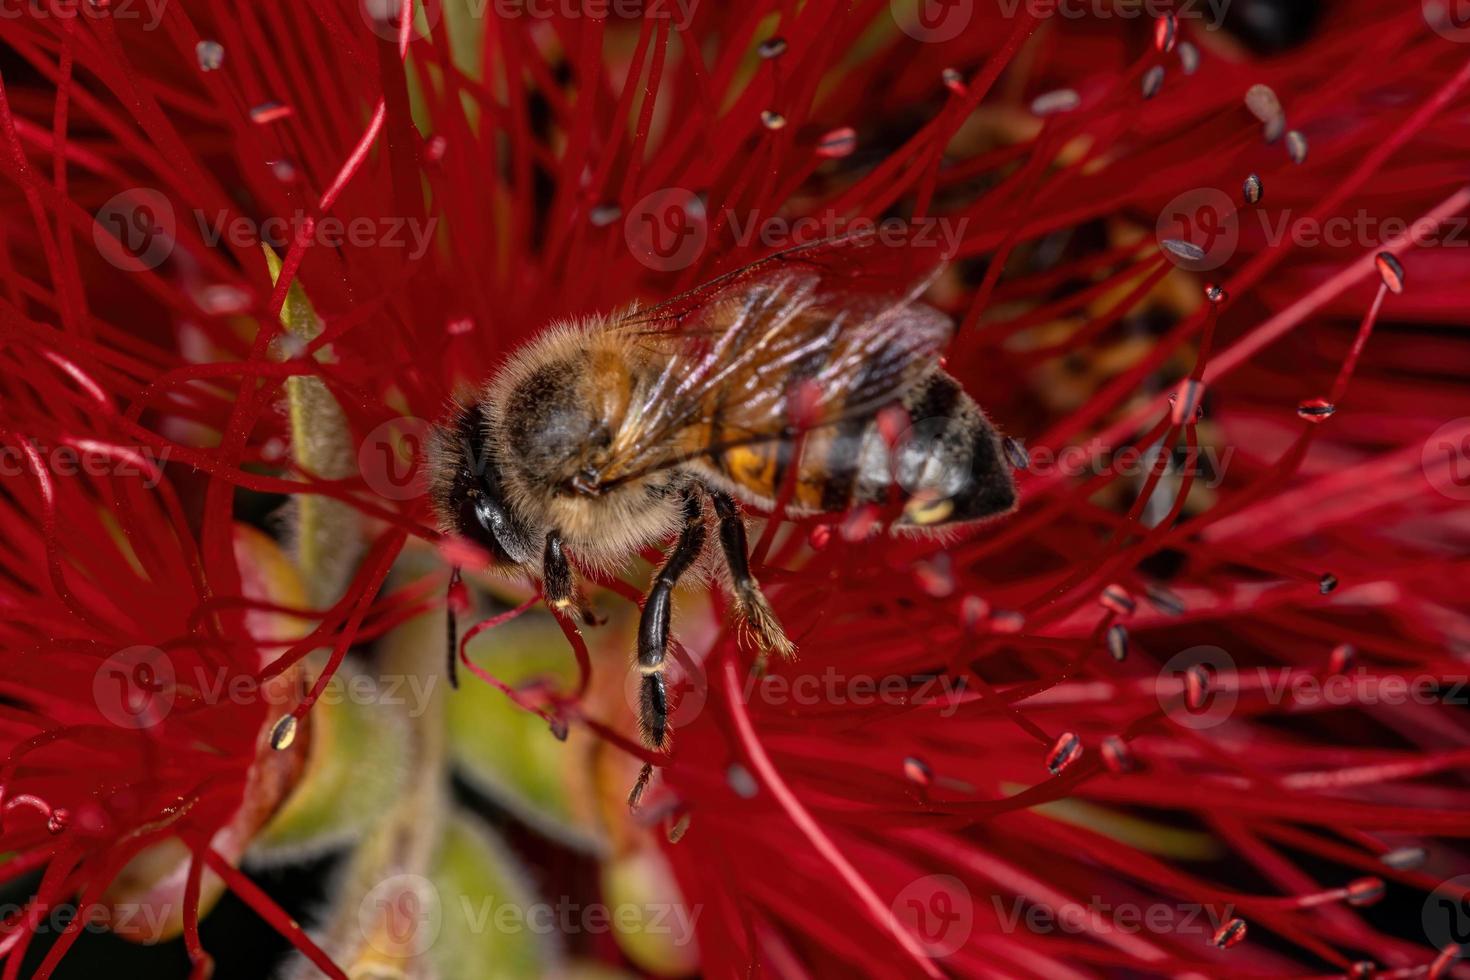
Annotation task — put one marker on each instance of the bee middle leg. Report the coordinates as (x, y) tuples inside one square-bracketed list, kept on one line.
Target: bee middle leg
[(653, 626), (750, 601)]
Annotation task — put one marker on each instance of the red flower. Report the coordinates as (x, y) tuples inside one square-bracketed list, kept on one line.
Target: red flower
[(1142, 727)]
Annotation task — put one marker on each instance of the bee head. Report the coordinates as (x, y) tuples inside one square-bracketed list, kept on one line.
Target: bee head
[(469, 493)]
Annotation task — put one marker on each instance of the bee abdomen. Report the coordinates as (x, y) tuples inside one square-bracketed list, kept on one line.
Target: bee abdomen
[(947, 467), (950, 465)]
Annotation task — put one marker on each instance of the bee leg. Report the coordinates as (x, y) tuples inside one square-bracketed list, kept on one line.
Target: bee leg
[(561, 591), (653, 626), (751, 603), (451, 627)]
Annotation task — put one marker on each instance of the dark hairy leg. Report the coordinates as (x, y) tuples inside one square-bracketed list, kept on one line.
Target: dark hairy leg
[(755, 611), (653, 626), (558, 585), (451, 627)]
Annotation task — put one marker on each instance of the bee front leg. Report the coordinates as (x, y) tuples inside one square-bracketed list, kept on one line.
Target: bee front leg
[(653, 626), (750, 602), (557, 584)]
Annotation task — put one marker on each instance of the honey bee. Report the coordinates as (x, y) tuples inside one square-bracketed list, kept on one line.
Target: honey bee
[(608, 435)]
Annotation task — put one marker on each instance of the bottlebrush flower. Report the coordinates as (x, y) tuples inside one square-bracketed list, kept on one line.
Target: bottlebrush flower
[(1143, 727), (135, 726)]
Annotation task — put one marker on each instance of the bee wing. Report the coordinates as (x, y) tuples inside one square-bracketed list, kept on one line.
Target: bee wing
[(762, 353), (856, 263)]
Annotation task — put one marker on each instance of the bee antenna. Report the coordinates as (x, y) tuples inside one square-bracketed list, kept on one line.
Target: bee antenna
[(453, 600)]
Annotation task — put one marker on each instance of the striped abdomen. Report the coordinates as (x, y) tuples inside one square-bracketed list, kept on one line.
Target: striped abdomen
[(946, 466)]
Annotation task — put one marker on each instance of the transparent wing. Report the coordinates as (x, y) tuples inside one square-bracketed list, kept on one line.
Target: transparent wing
[(798, 341)]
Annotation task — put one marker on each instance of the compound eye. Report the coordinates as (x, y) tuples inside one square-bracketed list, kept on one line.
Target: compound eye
[(492, 519)]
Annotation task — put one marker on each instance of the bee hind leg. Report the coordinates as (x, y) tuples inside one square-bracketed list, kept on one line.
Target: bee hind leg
[(653, 626), (755, 610)]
